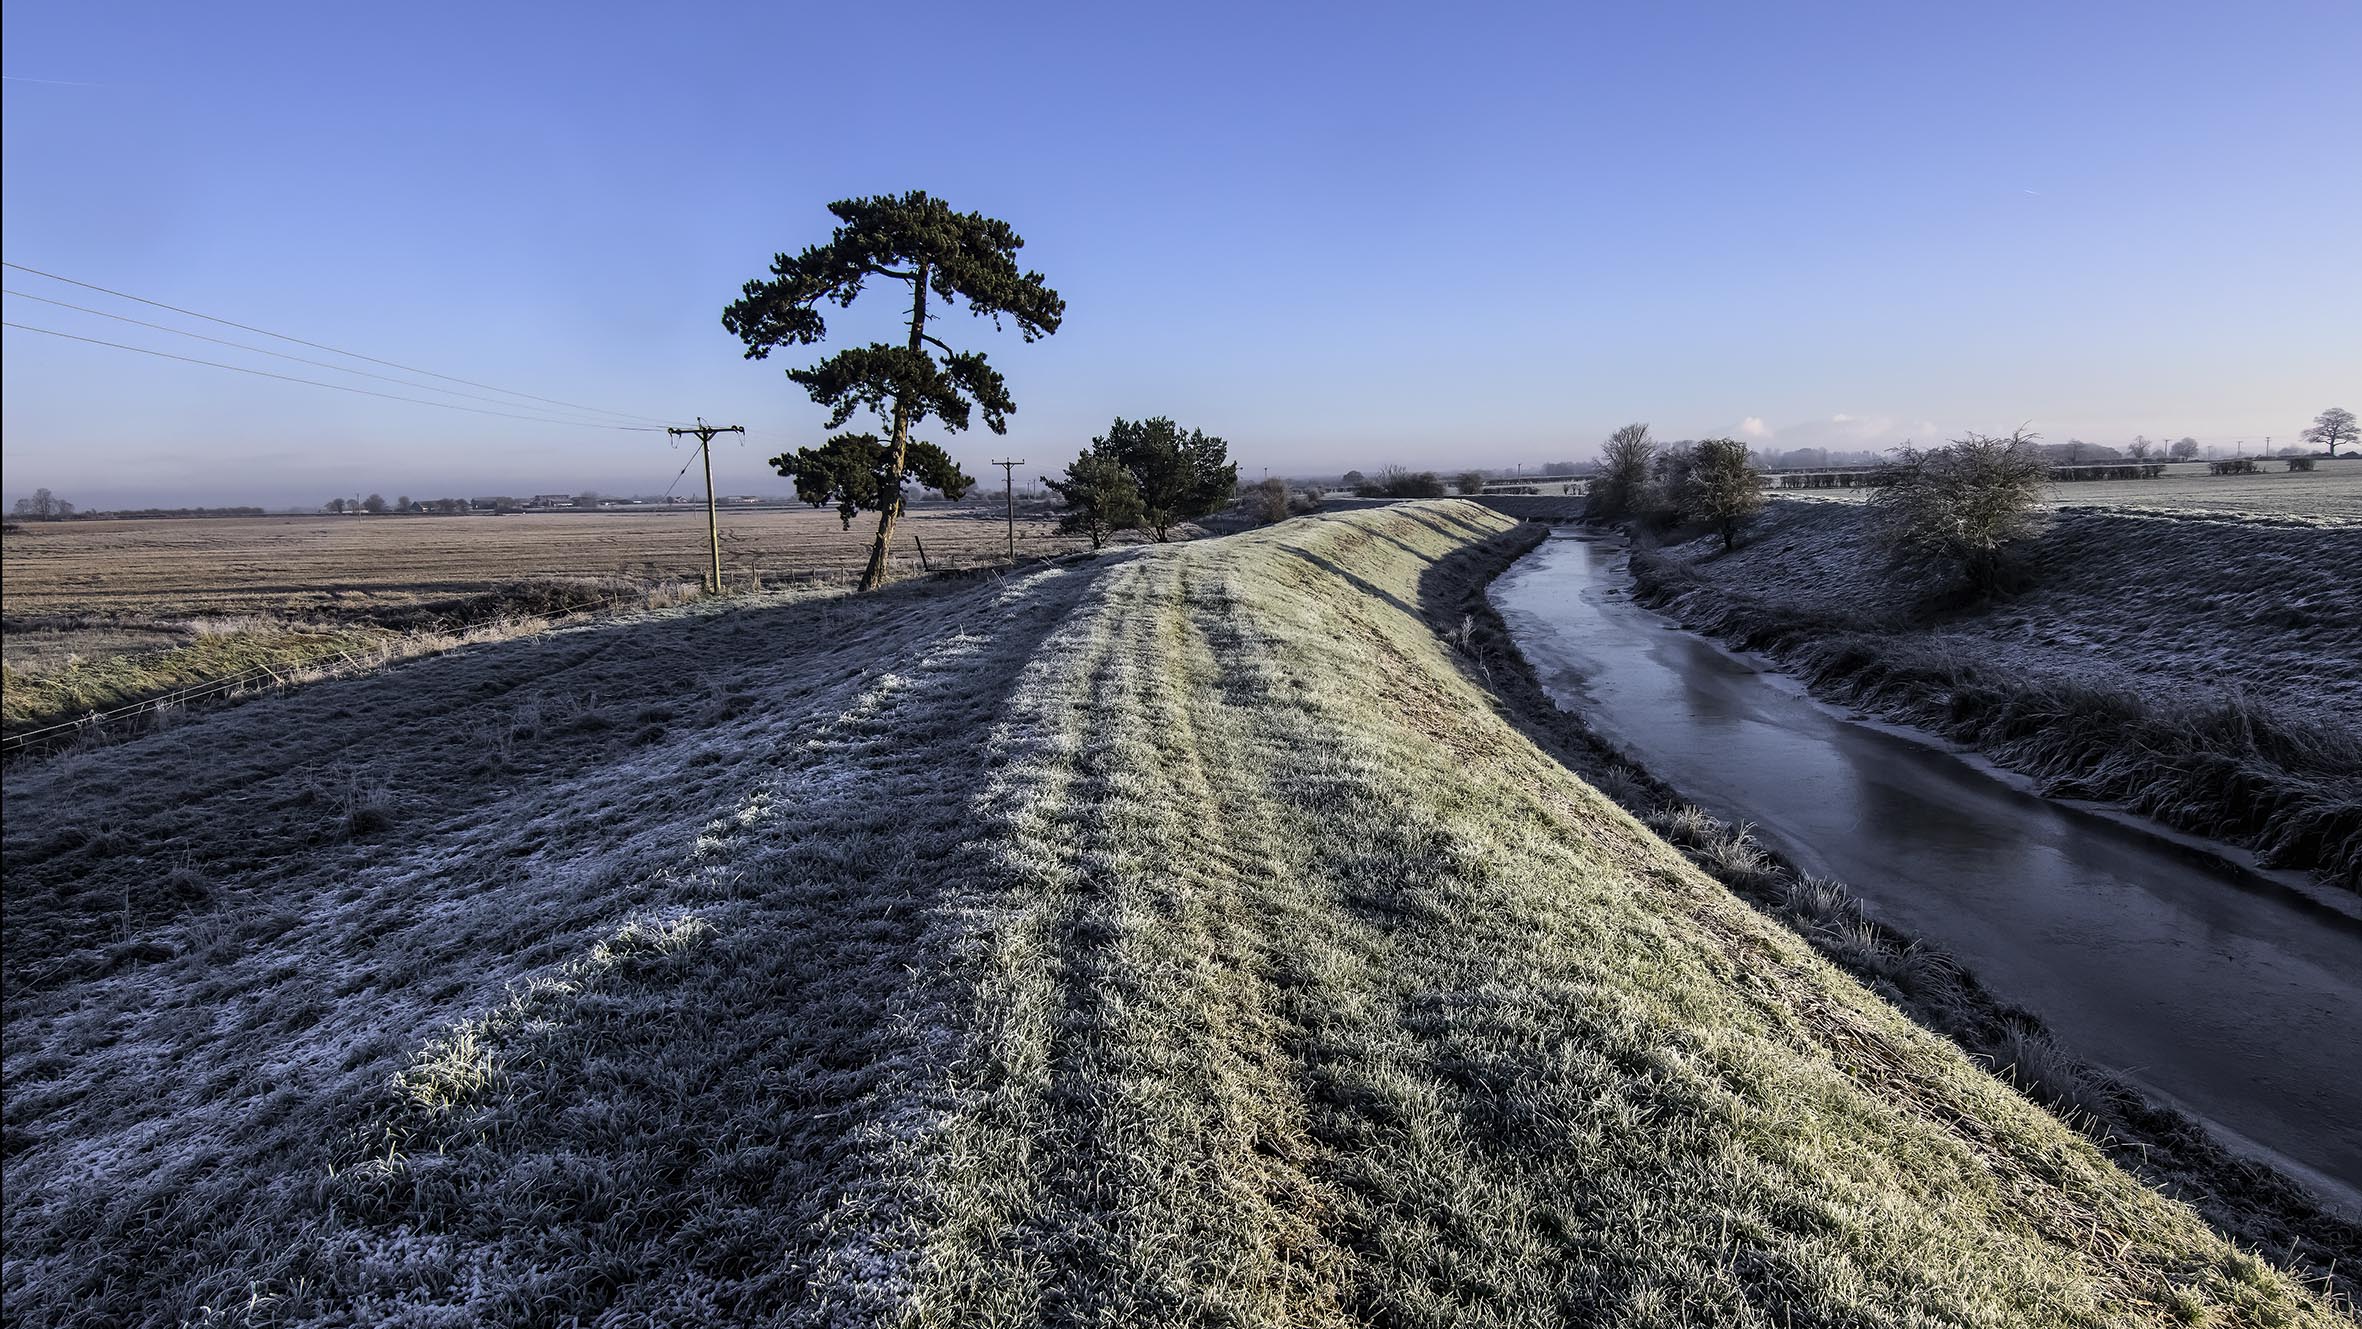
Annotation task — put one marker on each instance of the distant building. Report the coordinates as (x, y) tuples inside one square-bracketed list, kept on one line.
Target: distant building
[(551, 501)]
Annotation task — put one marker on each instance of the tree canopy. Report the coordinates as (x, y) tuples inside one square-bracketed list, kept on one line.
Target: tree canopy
[(1624, 466), (2333, 429), (1725, 487), (1179, 476), (855, 472), (917, 240)]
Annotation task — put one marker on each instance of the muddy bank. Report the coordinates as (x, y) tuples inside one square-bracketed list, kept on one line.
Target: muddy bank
[(2195, 671)]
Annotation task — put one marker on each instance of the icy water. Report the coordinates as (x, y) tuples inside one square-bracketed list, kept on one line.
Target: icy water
[(2231, 994)]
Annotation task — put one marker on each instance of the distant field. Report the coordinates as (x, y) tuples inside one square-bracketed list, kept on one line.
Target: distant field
[(311, 564), (2333, 493)]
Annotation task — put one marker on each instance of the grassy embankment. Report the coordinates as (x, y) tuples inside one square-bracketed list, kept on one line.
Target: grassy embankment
[(2183, 667), (231, 656), (1178, 936)]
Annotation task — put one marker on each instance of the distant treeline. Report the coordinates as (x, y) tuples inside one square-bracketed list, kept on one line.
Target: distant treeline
[(72, 513)]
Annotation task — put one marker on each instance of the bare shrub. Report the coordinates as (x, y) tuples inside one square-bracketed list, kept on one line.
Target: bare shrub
[(1402, 482), (1954, 514), (2300, 463), (1623, 473), (1270, 500)]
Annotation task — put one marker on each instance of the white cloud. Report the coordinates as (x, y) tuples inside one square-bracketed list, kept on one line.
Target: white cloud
[(1754, 427)]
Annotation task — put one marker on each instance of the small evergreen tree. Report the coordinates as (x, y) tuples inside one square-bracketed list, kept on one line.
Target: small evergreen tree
[(1101, 498), (1179, 476)]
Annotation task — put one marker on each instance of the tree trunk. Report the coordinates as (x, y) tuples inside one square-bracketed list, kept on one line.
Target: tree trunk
[(874, 576)]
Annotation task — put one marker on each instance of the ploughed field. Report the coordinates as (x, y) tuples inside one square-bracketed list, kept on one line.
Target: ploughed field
[(298, 564), (104, 614), (1183, 935)]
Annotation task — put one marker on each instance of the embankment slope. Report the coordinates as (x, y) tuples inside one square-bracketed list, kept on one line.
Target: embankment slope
[(2195, 668), (1176, 936)]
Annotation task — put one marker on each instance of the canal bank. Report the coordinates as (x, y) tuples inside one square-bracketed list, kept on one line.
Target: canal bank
[(2180, 979)]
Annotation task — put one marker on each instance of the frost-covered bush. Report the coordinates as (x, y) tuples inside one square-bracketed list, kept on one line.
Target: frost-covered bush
[(1954, 514)]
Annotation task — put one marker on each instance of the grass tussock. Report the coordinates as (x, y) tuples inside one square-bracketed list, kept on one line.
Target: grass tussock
[(1178, 937)]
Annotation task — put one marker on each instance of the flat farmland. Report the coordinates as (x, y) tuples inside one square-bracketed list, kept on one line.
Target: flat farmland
[(2331, 494), (314, 565)]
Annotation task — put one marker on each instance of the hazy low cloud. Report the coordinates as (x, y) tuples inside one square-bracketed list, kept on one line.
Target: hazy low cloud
[(1842, 430)]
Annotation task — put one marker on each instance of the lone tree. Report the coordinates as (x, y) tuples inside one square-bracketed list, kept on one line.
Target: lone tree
[(1961, 507), (2182, 449), (2332, 429), (854, 472), (373, 504), (1179, 476), (1624, 466), (919, 241), (1725, 487), (1469, 482), (1100, 498)]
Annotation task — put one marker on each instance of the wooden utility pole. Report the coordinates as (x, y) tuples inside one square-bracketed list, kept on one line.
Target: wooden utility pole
[(1009, 499), (704, 433)]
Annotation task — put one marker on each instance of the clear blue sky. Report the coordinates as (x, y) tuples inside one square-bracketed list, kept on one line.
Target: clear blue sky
[(1438, 235)]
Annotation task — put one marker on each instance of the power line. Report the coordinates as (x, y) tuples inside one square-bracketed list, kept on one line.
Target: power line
[(264, 350), (340, 387), (334, 350)]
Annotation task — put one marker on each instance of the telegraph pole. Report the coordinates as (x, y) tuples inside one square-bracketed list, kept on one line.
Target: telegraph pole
[(1009, 499), (704, 433)]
